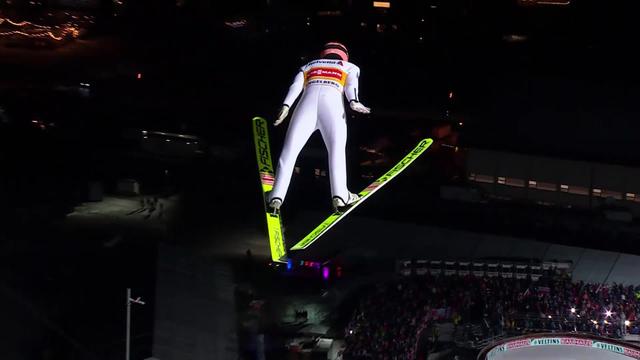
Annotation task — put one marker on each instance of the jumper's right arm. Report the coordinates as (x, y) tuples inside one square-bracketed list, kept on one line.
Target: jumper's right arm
[(294, 91)]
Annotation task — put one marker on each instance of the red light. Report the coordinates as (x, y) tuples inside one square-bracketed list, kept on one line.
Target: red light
[(139, 76), (338, 271)]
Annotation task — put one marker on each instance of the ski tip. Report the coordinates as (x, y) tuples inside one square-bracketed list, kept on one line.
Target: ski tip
[(302, 245), (258, 118), (427, 141)]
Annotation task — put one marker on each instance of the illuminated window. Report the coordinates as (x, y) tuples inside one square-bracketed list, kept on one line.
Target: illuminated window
[(382, 4), (515, 182), (597, 192), (316, 172), (501, 180), (630, 196), (564, 188), (533, 184)]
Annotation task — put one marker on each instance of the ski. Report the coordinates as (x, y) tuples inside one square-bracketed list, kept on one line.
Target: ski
[(267, 177), (334, 218)]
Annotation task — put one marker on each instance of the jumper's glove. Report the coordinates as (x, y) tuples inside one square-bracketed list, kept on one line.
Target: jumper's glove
[(358, 107), (284, 111)]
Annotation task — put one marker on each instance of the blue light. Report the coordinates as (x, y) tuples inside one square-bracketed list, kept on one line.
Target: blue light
[(289, 264)]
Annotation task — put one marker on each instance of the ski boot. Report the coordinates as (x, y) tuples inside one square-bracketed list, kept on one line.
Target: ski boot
[(339, 203), (275, 204)]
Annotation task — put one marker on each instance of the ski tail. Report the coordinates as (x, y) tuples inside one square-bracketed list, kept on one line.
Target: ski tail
[(334, 218), (267, 178)]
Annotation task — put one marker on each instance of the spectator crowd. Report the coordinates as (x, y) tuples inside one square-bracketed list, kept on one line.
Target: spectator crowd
[(390, 317)]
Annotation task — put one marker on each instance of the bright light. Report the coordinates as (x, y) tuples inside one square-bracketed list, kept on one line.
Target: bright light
[(74, 32), (593, 321), (139, 76), (627, 322), (450, 94), (382, 4), (573, 310), (236, 24), (549, 316), (350, 332), (608, 313)]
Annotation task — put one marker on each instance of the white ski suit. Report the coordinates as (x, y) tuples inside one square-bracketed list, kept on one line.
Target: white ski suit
[(320, 108)]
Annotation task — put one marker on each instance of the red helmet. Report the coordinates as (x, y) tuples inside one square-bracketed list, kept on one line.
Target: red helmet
[(337, 49)]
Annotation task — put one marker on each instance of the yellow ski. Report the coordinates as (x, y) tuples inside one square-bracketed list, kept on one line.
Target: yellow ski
[(267, 177), (334, 218)]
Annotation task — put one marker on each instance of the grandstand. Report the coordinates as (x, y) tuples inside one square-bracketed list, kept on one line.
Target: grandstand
[(401, 318), (483, 288)]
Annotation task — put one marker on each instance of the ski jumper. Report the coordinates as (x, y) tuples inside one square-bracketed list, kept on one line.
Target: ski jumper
[(322, 83)]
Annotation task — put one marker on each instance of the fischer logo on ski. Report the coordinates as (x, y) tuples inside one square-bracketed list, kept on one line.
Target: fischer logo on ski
[(267, 178)]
